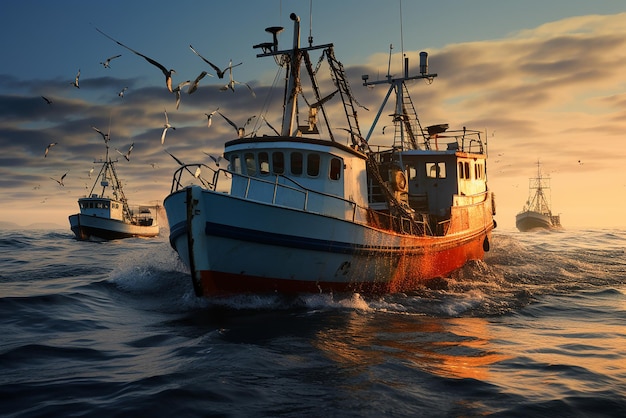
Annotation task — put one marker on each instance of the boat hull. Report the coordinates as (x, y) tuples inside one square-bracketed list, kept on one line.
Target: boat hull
[(87, 227), (529, 220), (281, 249)]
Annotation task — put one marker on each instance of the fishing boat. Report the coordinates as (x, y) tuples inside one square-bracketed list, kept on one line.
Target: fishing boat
[(300, 211), (107, 215), (537, 212)]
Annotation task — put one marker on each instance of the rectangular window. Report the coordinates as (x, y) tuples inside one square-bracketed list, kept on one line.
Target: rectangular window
[(264, 163), (235, 163), (296, 163), (436, 170), (467, 170), (278, 163), (461, 171), (313, 165), (250, 164), (335, 168)]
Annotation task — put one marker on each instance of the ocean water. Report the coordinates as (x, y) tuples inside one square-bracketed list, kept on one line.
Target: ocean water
[(113, 329)]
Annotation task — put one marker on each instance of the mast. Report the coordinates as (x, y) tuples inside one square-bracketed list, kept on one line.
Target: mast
[(539, 202), (398, 85), (292, 59)]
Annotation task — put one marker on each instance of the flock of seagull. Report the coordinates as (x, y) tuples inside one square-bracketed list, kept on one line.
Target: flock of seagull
[(176, 90)]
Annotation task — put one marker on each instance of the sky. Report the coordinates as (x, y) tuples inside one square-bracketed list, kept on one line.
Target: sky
[(545, 79)]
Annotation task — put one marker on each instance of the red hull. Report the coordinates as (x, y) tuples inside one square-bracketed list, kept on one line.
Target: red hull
[(412, 271)]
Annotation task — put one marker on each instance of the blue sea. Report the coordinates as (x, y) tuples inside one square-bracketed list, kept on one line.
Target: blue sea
[(113, 329)]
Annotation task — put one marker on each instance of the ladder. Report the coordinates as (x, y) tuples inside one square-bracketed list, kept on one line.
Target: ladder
[(338, 76)]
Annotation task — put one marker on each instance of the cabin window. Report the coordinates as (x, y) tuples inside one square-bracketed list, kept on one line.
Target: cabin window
[(278, 163), (235, 162), (479, 171), (436, 170), (467, 170), (461, 171), (250, 164), (313, 165), (412, 172), (296, 163), (335, 169), (264, 163)]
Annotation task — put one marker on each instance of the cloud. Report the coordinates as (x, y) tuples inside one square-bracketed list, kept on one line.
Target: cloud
[(554, 93)]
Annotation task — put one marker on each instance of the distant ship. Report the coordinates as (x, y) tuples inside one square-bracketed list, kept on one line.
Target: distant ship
[(107, 215), (537, 213)]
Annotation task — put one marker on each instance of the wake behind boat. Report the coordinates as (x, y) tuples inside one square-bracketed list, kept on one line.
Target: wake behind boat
[(107, 215), (305, 213), (537, 213)]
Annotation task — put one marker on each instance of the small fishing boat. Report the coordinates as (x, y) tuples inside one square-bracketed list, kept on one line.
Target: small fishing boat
[(537, 213), (107, 215), (301, 211)]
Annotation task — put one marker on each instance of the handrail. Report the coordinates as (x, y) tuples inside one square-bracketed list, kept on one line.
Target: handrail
[(404, 225)]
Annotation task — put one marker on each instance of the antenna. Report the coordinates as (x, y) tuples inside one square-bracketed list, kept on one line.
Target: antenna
[(402, 36), (310, 22), (389, 63)]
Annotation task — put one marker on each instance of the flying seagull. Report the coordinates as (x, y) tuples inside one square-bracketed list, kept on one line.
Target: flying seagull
[(127, 155), (47, 100), (232, 82), (106, 63), (210, 117), (121, 93), (48, 148), (105, 137), (167, 126), (177, 91), (75, 82), (270, 126), (165, 71), (241, 131), (62, 178), (194, 86), (215, 159), (220, 73)]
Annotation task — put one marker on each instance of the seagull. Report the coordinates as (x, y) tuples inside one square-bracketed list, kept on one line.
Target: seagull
[(232, 82), (60, 181), (75, 82), (210, 117), (105, 137), (241, 131), (216, 160), (48, 148), (177, 91), (194, 86), (271, 127), (167, 126), (47, 100), (165, 71), (121, 93), (220, 73), (106, 63), (90, 172), (127, 155)]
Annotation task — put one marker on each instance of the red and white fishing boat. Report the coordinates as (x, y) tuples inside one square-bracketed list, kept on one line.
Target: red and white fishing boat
[(303, 212)]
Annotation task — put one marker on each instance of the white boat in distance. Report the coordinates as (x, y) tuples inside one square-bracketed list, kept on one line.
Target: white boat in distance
[(107, 215), (306, 213), (537, 213)]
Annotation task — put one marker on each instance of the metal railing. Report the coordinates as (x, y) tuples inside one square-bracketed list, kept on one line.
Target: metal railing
[(278, 191)]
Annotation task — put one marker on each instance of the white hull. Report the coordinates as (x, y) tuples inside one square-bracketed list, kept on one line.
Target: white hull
[(529, 220), (92, 227), (289, 250)]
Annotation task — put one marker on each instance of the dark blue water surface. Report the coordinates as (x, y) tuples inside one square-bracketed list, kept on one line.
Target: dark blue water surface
[(113, 329)]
